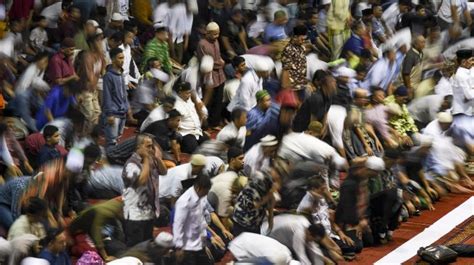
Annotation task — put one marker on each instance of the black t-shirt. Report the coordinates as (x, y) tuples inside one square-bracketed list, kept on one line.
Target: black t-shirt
[(163, 134), (316, 105)]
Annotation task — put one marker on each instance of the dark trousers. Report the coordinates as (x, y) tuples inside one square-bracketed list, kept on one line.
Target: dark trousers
[(385, 208), (189, 143), (216, 106), (138, 231), (195, 258), (238, 229)]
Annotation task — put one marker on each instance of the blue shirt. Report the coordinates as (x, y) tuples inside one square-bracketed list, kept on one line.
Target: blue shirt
[(354, 44), (48, 153), (274, 32), (57, 103), (60, 259), (260, 124), (11, 192)]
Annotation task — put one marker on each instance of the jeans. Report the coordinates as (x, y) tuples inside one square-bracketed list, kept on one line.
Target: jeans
[(6, 218), (114, 131)]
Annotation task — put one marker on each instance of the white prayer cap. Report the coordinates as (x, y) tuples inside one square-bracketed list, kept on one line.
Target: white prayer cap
[(93, 23), (117, 17), (160, 75), (99, 31), (445, 117), (269, 140), (164, 239), (265, 64), (126, 261), (375, 163), (198, 160), (207, 64), (75, 160), (345, 71), (325, 2), (212, 26), (5, 247), (34, 261)]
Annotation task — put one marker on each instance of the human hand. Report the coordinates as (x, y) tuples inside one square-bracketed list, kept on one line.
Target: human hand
[(218, 242), (28, 167), (228, 234), (347, 240), (111, 120), (14, 171)]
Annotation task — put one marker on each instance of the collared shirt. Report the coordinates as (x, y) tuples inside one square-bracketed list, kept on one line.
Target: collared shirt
[(354, 44), (463, 92), (290, 230), (212, 49), (190, 122), (160, 50), (189, 225), (231, 133), (294, 61), (244, 98), (170, 184), (251, 245), (60, 67)]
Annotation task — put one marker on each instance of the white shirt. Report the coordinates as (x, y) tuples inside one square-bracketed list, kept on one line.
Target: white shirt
[(189, 224), (221, 191), (170, 184), (254, 160), (180, 22), (52, 12), (463, 92), (128, 61), (298, 146), (7, 45), (443, 87), (381, 74), (231, 132), (156, 114), (290, 230), (251, 245), (245, 96), (424, 109), (161, 15), (444, 11), (31, 78), (190, 122)]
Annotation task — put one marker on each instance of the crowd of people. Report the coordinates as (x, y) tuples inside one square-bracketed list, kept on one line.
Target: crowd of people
[(257, 132)]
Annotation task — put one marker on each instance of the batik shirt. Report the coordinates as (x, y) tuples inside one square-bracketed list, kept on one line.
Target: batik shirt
[(294, 61), (403, 123)]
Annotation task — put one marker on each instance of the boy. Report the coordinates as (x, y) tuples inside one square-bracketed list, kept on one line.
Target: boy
[(48, 151)]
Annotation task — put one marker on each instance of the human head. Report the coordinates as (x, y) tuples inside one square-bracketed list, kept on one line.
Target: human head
[(198, 162), (313, 18), (280, 18), (359, 28), (90, 27), (377, 10), (447, 102), (378, 95), (239, 117), (145, 142), (390, 54), (202, 185), (42, 21), (184, 90), (36, 210), (361, 72), (95, 43), (55, 241), (161, 33), (174, 118), (116, 21), (117, 57), (67, 47), (115, 40), (420, 10), (434, 33), (445, 119), (269, 145), (315, 128), (464, 58), (92, 154), (153, 62), (419, 42), (237, 16), (41, 59), (74, 12), (404, 6), (168, 103), (367, 15), (128, 37), (264, 100), (162, 244), (51, 134), (238, 62), (212, 31), (401, 95), (329, 84), (361, 97), (235, 158), (315, 233), (372, 167), (316, 186), (299, 34)]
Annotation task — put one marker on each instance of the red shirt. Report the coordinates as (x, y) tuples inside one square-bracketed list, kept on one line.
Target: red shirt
[(21, 9), (59, 67)]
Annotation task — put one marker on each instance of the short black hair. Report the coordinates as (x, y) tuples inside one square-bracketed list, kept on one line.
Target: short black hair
[(203, 182), (117, 36), (183, 86), (315, 182), (374, 89), (419, 7), (169, 100), (49, 131), (317, 230), (237, 60), (237, 113), (319, 75), (36, 206), (173, 114), (234, 152), (92, 151), (300, 30), (361, 69), (114, 52)]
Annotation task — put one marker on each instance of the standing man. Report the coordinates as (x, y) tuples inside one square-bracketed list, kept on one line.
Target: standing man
[(158, 48), (339, 22), (114, 98), (61, 68), (189, 228), (294, 63), (141, 195), (412, 66), (215, 80)]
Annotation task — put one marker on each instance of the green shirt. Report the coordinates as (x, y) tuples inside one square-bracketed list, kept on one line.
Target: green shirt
[(80, 41), (160, 50), (403, 123)]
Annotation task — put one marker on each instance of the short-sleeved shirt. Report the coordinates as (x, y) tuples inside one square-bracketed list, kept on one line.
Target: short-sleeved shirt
[(231, 31), (412, 59), (60, 67), (294, 61), (274, 33), (354, 44)]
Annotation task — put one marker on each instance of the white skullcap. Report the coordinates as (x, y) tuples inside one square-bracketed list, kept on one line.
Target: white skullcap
[(263, 64), (345, 71), (99, 31), (93, 23), (213, 26), (34, 261), (164, 239), (117, 17), (5, 247), (198, 160), (445, 117), (75, 160), (126, 261), (207, 64), (325, 2), (160, 75), (269, 140), (375, 163)]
